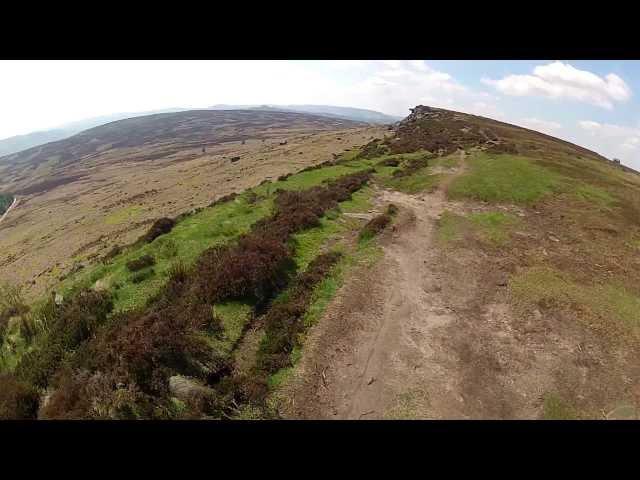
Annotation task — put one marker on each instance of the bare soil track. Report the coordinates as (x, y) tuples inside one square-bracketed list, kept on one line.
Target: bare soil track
[(376, 346)]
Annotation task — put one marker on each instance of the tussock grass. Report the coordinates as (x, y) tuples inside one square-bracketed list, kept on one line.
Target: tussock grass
[(376, 225)]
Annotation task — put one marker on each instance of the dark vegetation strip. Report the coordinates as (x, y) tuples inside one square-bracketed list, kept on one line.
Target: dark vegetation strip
[(121, 368), (283, 322), (412, 166), (142, 262), (283, 327), (5, 202)]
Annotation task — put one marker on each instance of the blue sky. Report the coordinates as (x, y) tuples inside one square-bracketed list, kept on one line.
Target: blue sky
[(592, 103)]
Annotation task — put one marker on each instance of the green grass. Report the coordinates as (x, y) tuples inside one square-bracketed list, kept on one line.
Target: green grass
[(123, 215), (450, 161), (211, 226), (504, 178), (311, 178), (420, 181), (451, 227), (308, 243), (595, 195), (188, 239), (408, 405), (613, 303), (555, 408), (365, 254), (492, 228), (234, 315)]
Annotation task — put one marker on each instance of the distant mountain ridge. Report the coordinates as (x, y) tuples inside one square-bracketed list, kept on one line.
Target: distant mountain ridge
[(19, 143), (348, 113)]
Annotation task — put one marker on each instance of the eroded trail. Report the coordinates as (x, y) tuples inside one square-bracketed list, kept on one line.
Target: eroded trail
[(378, 353)]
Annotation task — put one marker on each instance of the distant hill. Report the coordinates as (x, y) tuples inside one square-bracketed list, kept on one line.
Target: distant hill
[(159, 136), (349, 113), (23, 142)]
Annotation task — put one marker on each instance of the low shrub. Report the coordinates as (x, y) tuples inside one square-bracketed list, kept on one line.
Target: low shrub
[(413, 166), (224, 199), (283, 321), (18, 399), (73, 322), (173, 333), (111, 254), (374, 226), (391, 209), (140, 277), (159, 227), (252, 198), (167, 248), (140, 263), (389, 162), (375, 148)]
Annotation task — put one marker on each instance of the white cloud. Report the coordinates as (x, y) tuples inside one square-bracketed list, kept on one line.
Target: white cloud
[(38, 95), (395, 86), (614, 140), (539, 125), (563, 81), (43, 94)]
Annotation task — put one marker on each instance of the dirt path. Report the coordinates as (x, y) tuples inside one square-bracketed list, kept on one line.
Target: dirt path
[(428, 333), (377, 354)]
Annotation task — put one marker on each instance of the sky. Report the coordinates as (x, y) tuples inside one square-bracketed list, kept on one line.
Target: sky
[(592, 103)]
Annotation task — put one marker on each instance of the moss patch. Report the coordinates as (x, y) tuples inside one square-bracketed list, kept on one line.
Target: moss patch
[(555, 408)]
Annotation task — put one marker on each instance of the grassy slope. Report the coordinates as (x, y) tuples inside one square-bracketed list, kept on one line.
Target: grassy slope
[(575, 195), (211, 226)]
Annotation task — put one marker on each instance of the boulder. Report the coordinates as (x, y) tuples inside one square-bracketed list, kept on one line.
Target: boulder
[(184, 388)]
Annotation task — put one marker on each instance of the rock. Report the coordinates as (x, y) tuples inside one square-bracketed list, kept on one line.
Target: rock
[(58, 299), (184, 388), (100, 286), (234, 159)]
